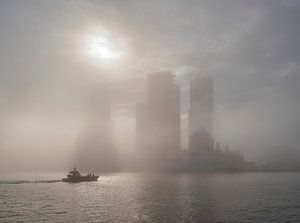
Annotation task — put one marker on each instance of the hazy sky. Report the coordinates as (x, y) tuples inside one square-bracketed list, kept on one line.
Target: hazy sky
[(251, 48)]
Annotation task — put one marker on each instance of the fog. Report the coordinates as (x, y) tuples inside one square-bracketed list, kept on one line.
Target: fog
[(49, 78)]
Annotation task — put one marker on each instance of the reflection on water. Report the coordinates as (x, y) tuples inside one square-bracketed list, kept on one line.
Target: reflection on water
[(251, 197)]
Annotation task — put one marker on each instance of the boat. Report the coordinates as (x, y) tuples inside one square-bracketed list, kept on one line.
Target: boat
[(75, 177)]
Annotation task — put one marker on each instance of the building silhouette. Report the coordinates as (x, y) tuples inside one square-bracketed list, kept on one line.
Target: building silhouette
[(96, 151), (201, 141), (158, 119)]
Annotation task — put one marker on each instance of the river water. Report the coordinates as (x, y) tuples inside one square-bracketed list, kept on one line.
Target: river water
[(153, 197)]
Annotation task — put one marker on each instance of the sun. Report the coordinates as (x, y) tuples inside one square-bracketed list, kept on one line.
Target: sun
[(101, 48)]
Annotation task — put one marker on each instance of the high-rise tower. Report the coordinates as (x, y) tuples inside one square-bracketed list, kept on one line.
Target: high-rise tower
[(96, 151), (201, 115), (158, 119)]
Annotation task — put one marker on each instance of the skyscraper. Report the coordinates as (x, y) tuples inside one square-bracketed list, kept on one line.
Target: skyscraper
[(158, 119), (201, 115), (96, 151)]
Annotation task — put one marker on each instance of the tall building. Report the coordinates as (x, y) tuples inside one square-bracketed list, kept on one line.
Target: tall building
[(201, 115), (158, 119), (95, 150)]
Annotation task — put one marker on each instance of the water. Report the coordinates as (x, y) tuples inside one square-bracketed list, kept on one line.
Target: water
[(247, 197)]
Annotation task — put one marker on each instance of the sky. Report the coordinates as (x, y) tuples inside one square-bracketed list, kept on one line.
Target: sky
[(250, 48)]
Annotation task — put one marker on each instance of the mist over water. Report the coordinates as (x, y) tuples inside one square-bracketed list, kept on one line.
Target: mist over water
[(163, 110), (49, 69)]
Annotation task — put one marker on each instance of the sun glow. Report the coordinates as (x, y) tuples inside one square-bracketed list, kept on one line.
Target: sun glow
[(101, 48)]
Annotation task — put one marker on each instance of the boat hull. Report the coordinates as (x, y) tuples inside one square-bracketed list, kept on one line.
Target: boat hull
[(81, 179)]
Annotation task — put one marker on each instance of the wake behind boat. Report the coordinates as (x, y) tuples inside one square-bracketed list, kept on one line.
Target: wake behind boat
[(75, 177)]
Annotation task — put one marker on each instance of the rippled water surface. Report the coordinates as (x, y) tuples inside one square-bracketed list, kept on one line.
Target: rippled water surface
[(248, 197)]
